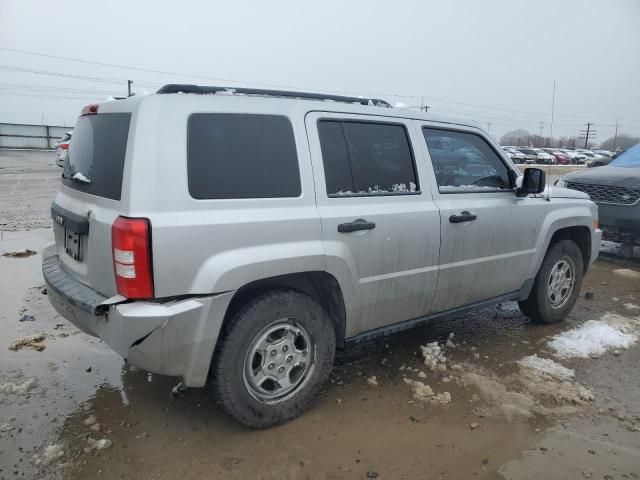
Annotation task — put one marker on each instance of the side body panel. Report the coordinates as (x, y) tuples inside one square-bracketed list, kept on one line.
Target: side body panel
[(387, 274)]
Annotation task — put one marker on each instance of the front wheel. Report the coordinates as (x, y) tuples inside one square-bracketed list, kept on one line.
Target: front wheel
[(276, 352), (557, 284)]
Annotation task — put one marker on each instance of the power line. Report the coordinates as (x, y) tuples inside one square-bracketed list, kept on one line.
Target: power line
[(274, 85)]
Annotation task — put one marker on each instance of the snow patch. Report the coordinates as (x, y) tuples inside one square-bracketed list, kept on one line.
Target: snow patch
[(424, 393), (594, 338), (627, 273), (32, 341), (546, 366), (99, 444), (372, 380), (17, 389), (467, 188), (434, 358), (49, 454), (631, 306)]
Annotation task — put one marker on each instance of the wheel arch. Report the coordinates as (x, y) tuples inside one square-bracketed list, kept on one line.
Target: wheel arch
[(581, 236), (319, 285)]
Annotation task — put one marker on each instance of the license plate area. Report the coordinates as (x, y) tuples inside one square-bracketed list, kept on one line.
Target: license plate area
[(73, 244)]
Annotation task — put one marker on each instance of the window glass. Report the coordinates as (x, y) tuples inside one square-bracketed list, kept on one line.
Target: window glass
[(366, 158), (95, 163), (464, 162), (241, 156)]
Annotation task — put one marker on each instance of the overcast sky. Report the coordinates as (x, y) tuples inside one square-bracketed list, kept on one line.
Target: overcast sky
[(492, 60)]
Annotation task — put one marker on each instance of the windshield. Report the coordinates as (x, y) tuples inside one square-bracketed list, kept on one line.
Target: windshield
[(630, 158)]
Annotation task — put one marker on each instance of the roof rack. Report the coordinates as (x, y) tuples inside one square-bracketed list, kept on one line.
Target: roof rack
[(179, 88)]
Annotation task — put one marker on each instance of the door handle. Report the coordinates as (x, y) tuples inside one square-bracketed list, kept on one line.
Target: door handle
[(462, 217), (359, 224)]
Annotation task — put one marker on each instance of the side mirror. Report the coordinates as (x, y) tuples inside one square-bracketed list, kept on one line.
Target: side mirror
[(533, 181)]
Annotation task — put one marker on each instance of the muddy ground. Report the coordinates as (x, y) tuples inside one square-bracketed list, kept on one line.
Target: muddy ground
[(500, 422)]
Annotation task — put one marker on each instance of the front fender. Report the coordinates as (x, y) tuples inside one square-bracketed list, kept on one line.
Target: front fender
[(576, 215)]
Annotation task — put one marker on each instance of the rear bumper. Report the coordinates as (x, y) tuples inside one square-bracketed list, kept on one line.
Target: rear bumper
[(175, 338)]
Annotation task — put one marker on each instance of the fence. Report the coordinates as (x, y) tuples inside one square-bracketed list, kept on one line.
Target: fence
[(16, 135)]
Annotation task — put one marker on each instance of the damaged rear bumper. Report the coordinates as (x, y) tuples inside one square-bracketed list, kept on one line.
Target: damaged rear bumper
[(175, 338)]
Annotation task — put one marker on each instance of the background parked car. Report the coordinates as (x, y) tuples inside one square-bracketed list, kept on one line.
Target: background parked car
[(536, 155), (561, 157), (577, 158), (62, 148), (515, 155), (616, 190)]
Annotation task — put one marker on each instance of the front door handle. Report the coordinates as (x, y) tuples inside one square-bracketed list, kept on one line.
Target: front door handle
[(359, 224), (462, 217)]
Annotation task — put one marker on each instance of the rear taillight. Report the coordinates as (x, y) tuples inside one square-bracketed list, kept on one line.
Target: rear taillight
[(64, 146), (131, 243)]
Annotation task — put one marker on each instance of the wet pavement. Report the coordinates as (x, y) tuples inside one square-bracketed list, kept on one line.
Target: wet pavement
[(83, 393)]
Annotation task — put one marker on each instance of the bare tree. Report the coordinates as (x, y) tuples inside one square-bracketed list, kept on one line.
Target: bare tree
[(515, 137), (622, 142)]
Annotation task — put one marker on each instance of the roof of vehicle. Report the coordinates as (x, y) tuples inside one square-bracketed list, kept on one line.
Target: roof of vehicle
[(285, 100)]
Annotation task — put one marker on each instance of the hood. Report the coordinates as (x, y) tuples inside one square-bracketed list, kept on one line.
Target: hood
[(559, 192), (609, 175)]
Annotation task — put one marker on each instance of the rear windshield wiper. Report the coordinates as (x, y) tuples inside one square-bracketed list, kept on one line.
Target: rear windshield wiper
[(76, 177)]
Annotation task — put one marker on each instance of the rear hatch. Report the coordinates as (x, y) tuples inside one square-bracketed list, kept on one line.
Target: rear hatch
[(91, 198)]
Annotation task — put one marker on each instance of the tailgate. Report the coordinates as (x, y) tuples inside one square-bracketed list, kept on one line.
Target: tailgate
[(90, 199)]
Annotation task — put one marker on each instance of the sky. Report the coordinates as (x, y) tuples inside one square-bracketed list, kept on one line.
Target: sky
[(493, 60)]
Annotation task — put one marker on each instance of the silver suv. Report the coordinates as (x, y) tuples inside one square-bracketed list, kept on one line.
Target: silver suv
[(236, 238)]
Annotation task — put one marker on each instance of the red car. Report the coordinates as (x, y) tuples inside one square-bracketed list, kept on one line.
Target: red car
[(561, 158)]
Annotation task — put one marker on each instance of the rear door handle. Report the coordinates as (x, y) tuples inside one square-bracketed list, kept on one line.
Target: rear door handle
[(462, 217), (359, 224)]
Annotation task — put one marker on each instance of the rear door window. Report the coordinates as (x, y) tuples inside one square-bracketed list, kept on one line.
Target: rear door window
[(241, 156), (96, 154), (366, 158), (465, 162)]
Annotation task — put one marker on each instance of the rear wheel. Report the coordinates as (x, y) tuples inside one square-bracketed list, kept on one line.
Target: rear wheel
[(557, 284), (276, 352)]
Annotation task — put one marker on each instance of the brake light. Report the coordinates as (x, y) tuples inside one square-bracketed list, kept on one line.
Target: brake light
[(64, 146), (89, 110), (131, 243)]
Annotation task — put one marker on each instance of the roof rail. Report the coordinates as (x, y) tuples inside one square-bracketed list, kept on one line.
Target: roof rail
[(179, 88)]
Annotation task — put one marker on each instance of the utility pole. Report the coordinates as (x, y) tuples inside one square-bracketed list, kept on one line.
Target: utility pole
[(615, 137), (588, 134), (129, 83), (423, 107), (541, 127), (488, 127), (553, 104)]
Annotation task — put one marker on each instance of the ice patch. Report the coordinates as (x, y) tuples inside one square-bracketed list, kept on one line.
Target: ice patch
[(593, 338), (546, 366), (627, 273)]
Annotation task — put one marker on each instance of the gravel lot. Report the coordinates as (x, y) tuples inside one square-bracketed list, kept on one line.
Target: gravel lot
[(57, 405)]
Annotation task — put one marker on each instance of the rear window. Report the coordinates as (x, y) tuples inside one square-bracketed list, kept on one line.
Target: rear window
[(96, 154), (241, 156)]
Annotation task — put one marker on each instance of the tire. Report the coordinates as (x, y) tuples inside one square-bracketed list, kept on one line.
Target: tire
[(547, 304), (287, 323)]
